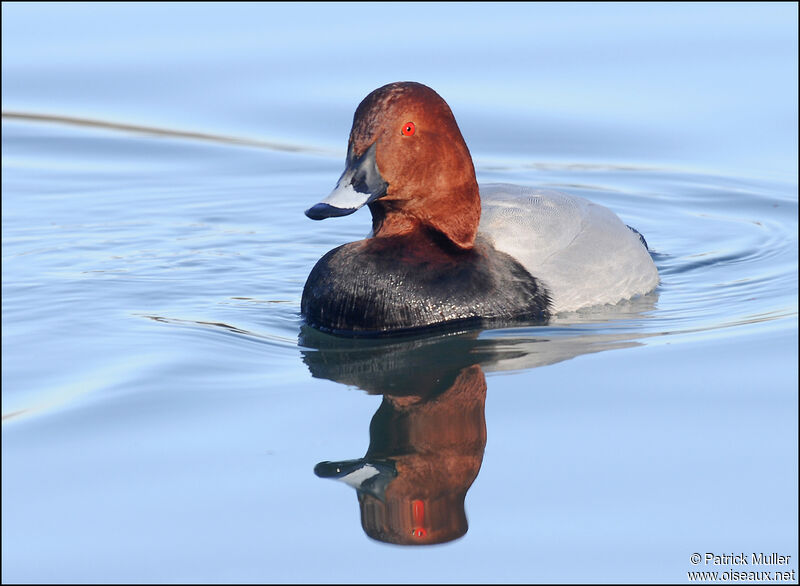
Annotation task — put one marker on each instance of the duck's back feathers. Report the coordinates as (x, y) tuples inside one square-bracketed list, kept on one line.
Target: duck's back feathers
[(582, 252)]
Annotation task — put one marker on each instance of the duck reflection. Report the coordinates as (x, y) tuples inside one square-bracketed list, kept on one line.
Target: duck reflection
[(428, 436), (424, 453)]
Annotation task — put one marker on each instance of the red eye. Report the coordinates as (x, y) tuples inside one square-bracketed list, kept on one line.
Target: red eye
[(408, 128)]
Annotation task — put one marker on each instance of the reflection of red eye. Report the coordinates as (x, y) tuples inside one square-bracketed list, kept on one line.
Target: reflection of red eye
[(408, 128)]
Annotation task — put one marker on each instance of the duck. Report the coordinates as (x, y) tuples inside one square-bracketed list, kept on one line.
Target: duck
[(446, 252)]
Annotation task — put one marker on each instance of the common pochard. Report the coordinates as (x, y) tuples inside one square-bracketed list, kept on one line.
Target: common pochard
[(445, 252)]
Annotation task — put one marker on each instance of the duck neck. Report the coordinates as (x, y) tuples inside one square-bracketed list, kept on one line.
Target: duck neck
[(451, 216)]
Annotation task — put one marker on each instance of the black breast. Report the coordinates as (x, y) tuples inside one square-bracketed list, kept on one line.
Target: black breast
[(391, 285)]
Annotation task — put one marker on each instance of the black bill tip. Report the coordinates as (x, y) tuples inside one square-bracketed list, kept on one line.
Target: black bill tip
[(324, 210)]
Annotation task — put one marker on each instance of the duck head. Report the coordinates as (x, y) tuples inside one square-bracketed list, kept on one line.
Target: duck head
[(407, 160)]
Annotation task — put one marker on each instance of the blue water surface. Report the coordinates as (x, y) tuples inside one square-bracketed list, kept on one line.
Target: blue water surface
[(164, 407)]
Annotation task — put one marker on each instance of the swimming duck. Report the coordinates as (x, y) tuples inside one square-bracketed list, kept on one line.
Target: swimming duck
[(444, 251)]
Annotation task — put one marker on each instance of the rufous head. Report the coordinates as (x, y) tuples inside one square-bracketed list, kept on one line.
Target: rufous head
[(407, 160)]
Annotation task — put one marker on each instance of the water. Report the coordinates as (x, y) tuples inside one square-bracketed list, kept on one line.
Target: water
[(164, 408)]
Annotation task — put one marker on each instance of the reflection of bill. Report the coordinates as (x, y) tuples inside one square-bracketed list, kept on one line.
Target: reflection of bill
[(424, 454)]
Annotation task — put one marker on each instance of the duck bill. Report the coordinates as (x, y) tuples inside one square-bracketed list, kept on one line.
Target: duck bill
[(360, 184), (366, 476)]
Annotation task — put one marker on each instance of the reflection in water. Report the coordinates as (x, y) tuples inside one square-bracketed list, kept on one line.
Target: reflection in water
[(424, 453), (428, 436)]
